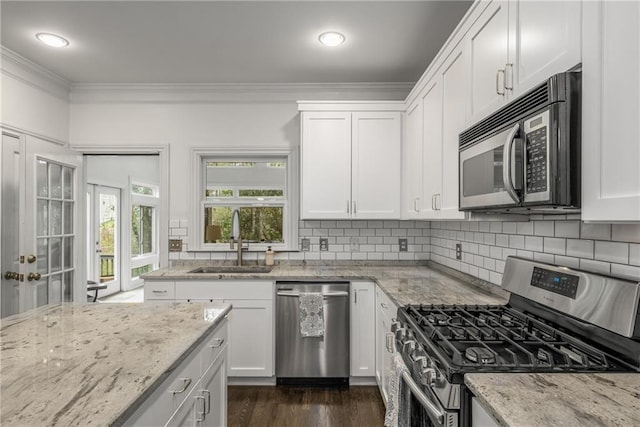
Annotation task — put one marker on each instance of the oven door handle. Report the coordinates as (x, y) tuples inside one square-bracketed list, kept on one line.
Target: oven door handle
[(506, 163), (424, 401)]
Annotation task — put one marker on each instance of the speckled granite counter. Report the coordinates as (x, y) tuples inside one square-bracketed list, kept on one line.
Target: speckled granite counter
[(89, 364), (403, 284), (529, 400)]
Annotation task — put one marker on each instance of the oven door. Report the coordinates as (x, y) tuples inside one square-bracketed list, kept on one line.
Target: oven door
[(486, 179)]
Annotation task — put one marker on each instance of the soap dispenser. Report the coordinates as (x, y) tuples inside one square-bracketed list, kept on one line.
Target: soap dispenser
[(268, 256)]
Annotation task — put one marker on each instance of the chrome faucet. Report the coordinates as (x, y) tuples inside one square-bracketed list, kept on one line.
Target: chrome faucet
[(236, 235)]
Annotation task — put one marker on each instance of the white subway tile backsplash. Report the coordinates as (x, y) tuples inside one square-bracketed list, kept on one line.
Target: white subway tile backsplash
[(483, 274), (612, 251), (375, 224), (484, 227), (554, 245), (500, 266), (490, 264), (627, 271), (543, 228), (567, 261), (580, 248), (625, 232), (495, 252), (524, 228), (495, 227), (507, 252), (509, 227), (490, 239), (502, 240), (533, 243), (542, 257), (495, 278), (383, 232), (595, 266), (595, 231), (569, 229), (516, 242), (525, 254)]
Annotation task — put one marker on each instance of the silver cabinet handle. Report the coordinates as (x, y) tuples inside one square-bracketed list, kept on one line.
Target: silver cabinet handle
[(202, 413), (186, 382), (208, 401), (354, 206), (433, 204), (384, 305), (218, 343), (326, 294), (355, 296), (422, 398), (508, 67), (348, 206), (155, 291), (506, 163), (498, 82), (415, 204), (438, 196)]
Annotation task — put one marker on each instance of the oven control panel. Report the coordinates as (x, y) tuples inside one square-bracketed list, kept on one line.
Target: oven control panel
[(537, 160), (557, 282)]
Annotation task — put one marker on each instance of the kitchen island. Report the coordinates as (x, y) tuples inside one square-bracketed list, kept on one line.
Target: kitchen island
[(94, 364)]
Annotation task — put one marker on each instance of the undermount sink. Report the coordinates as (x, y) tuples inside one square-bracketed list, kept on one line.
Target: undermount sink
[(233, 269)]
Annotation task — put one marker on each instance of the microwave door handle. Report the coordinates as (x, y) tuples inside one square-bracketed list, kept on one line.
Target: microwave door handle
[(506, 163)]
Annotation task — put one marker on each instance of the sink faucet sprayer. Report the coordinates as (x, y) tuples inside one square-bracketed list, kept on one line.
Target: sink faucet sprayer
[(235, 234)]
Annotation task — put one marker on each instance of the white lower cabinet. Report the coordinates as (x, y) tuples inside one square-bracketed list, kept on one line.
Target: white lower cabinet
[(480, 416), (196, 390), (385, 311), (362, 329), (251, 351)]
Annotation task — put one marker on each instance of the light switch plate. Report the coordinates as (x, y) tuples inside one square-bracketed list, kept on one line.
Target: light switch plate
[(354, 244), (305, 245), (458, 251), (324, 244), (403, 244), (175, 245)]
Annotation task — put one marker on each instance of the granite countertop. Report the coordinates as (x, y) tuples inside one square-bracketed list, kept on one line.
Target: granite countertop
[(403, 284), (89, 364), (528, 400)]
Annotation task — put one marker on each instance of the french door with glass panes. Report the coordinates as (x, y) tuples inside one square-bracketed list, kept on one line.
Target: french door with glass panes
[(44, 269), (104, 236)]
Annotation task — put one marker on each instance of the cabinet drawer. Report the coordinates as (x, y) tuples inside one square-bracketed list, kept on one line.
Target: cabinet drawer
[(214, 345), (159, 290), (224, 289)]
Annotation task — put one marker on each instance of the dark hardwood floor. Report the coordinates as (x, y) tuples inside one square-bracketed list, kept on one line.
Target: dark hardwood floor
[(304, 406)]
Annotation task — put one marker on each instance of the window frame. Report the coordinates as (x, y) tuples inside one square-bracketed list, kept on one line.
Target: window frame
[(290, 204), (153, 201)]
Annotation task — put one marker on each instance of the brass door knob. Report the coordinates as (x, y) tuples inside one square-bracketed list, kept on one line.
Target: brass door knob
[(11, 275), (34, 276), (31, 259)]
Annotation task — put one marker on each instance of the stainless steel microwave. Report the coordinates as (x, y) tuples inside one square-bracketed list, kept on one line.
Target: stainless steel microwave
[(525, 157)]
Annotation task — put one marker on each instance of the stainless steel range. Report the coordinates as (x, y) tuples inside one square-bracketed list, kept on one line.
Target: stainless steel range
[(557, 320)]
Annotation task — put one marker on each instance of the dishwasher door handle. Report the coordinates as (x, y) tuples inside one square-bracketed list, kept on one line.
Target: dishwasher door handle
[(325, 294)]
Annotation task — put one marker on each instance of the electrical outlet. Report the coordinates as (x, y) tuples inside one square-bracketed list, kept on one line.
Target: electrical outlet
[(354, 244), (403, 244), (175, 245), (458, 251), (305, 244), (324, 244)]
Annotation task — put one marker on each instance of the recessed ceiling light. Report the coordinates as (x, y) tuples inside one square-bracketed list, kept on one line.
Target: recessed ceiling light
[(331, 38), (52, 40)]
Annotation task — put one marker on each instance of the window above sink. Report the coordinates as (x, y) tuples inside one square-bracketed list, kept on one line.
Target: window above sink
[(259, 183)]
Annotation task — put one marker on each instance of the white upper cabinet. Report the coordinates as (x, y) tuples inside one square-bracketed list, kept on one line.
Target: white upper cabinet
[(610, 108), (351, 163), (432, 124), (487, 44), (544, 39), (514, 45), (413, 197), (326, 165)]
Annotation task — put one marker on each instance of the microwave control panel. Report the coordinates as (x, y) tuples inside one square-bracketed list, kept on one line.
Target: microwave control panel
[(536, 146)]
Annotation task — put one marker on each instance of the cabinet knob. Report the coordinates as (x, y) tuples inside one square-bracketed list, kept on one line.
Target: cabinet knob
[(186, 382), (218, 343), (31, 259), (34, 276)]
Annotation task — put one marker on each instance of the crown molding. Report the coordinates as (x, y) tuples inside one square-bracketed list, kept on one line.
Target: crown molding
[(32, 74), (235, 93)]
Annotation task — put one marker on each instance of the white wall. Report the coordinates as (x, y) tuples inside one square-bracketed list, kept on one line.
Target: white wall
[(115, 171), (33, 101)]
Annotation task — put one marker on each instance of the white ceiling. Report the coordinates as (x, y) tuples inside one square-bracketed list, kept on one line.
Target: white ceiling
[(231, 41)]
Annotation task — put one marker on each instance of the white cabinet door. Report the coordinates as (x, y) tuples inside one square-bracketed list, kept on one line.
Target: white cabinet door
[(326, 165), (363, 329), (213, 387), (376, 148), (544, 39), (432, 128), (412, 197), (250, 350), (487, 43), (454, 105), (610, 109)]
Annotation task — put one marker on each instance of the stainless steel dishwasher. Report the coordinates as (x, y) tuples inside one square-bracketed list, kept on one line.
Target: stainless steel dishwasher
[(322, 360)]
